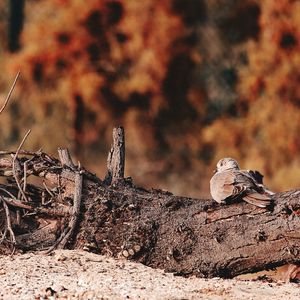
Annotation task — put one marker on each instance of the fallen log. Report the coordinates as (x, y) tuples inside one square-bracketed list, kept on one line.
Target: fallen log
[(73, 208)]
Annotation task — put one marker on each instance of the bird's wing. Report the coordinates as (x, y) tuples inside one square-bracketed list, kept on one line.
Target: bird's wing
[(258, 179), (256, 175), (254, 193), (244, 181), (221, 185)]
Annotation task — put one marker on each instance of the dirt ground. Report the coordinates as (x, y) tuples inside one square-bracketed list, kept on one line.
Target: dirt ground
[(81, 275)]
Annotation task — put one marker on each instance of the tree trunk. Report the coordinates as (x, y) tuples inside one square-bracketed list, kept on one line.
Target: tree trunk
[(15, 25), (73, 208), (190, 236)]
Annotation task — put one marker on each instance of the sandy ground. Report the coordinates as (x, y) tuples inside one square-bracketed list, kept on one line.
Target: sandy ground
[(81, 275)]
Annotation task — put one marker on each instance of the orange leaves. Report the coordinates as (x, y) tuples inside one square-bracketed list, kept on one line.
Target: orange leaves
[(150, 45), (114, 55), (274, 59)]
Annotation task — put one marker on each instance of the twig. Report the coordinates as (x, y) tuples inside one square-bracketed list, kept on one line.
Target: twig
[(18, 218), (10, 92), (8, 223), (3, 235), (22, 142), (17, 203), (13, 201), (47, 189), (12, 196), (14, 167), (25, 176), (23, 152), (5, 230)]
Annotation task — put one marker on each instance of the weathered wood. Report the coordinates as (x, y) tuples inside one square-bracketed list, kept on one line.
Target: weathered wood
[(192, 236), (8, 223), (116, 157), (65, 157), (75, 212)]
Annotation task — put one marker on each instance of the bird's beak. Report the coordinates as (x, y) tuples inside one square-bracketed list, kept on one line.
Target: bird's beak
[(215, 171)]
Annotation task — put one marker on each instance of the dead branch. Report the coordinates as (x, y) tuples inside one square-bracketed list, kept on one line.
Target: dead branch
[(116, 157), (65, 157), (8, 223), (17, 203), (75, 211), (14, 166), (10, 92)]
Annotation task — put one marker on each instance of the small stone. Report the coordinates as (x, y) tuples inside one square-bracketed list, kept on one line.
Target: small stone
[(131, 252), (2, 272), (125, 253), (61, 258), (137, 248)]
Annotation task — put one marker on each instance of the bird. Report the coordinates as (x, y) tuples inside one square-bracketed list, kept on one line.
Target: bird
[(230, 183)]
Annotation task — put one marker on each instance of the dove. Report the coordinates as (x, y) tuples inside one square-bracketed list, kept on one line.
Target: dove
[(230, 183)]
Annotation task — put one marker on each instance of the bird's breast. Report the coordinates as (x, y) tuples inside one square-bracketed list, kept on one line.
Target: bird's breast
[(216, 189)]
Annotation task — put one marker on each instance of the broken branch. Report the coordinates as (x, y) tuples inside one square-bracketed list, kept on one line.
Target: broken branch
[(116, 157)]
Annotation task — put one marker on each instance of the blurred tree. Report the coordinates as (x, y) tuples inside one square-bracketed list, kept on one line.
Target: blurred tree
[(110, 61), (16, 20)]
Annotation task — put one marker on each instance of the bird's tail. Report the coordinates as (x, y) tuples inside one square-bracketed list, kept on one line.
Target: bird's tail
[(258, 177), (260, 200), (267, 191)]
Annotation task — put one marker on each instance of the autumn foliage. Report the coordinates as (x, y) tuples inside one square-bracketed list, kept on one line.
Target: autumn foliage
[(191, 81)]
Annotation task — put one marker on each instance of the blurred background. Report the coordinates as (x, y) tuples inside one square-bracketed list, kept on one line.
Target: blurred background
[(191, 81)]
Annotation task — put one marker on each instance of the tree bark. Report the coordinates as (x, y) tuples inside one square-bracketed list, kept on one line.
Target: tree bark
[(75, 209), (65, 157), (191, 236)]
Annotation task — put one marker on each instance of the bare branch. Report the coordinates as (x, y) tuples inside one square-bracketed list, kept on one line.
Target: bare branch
[(14, 166), (47, 189), (3, 235), (69, 230), (75, 211), (10, 92), (23, 152), (22, 142), (25, 176), (17, 203), (8, 223)]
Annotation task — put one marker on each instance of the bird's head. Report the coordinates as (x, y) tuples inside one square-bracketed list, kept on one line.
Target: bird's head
[(227, 164)]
